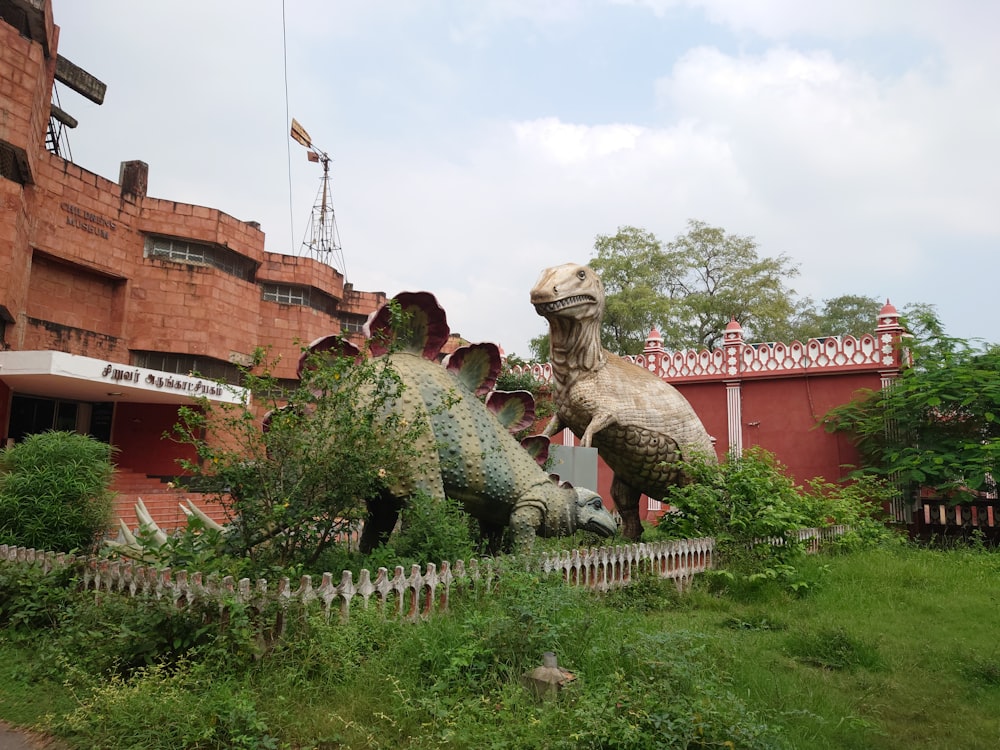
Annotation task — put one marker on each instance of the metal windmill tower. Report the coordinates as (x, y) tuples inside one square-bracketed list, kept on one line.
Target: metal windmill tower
[(321, 241)]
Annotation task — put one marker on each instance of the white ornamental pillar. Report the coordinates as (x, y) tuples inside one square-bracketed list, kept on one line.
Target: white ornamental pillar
[(732, 343)]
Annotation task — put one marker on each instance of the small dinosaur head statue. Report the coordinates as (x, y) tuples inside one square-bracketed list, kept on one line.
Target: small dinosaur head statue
[(559, 509), (569, 291), (591, 515)]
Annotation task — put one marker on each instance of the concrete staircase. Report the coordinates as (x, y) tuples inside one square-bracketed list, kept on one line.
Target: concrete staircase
[(162, 501)]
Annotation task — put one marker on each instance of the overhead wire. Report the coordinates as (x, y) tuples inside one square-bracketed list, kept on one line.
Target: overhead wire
[(288, 119)]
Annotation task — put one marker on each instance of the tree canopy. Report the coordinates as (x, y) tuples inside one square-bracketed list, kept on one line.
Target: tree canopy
[(852, 314), (294, 481), (633, 266), (690, 288)]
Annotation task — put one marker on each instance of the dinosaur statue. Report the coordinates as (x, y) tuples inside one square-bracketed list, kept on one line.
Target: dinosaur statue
[(641, 426), (467, 451), (471, 456)]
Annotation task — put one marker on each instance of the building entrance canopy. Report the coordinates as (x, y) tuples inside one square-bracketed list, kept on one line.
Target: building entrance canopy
[(70, 376)]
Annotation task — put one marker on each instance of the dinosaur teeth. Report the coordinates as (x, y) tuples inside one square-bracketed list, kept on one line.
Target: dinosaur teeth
[(562, 304)]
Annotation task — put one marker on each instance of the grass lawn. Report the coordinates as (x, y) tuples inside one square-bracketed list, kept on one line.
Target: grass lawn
[(885, 648)]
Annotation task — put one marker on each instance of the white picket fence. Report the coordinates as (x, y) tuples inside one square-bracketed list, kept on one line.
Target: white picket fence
[(418, 594)]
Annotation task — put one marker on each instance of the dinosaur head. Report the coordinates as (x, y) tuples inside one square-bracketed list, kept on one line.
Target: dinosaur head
[(591, 515), (569, 291)]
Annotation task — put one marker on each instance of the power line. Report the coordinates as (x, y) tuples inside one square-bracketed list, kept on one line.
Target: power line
[(288, 118)]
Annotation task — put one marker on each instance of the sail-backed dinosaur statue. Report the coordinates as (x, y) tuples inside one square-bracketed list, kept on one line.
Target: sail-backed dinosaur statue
[(641, 426)]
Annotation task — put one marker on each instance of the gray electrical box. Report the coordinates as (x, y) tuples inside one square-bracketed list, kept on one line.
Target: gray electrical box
[(575, 465)]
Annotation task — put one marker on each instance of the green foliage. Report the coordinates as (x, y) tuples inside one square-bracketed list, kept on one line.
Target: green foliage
[(938, 425), (848, 314), (330, 442), (646, 592), (690, 288), (31, 599), (742, 499), (184, 706), (633, 269), (54, 492), (716, 277), (509, 380), (116, 635), (685, 671), (833, 648), (431, 531), (751, 506), (540, 347), (859, 504)]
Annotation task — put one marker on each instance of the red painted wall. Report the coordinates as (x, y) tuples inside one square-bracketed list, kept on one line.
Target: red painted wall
[(784, 416)]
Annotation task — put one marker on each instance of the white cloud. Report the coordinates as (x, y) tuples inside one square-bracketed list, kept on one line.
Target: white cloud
[(878, 179)]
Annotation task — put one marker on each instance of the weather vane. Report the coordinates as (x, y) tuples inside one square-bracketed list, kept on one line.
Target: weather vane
[(321, 241)]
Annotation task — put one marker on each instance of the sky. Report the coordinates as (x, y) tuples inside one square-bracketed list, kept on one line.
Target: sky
[(475, 143)]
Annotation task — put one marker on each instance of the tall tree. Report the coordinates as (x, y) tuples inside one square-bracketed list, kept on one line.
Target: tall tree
[(539, 348), (714, 277), (633, 268), (852, 314), (690, 288)]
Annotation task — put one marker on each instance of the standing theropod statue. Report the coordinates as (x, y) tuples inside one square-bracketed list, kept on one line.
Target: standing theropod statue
[(641, 426)]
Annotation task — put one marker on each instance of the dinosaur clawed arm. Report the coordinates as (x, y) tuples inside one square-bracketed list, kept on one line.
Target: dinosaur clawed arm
[(554, 425), (598, 423)]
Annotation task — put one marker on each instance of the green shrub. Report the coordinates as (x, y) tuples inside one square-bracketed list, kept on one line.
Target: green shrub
[(741, 502), (54, 492), (293, 482), (187, 705), (432, 531), (31, 598), (751, 506)]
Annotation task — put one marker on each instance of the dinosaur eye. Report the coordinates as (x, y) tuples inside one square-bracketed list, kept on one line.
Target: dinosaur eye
[(581, 274)]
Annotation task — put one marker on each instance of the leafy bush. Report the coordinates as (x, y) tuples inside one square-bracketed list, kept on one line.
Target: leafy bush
[(751, 507), (860, 505), (745, 499), (54, 492), (432, 530), (294, 482), (187, 705), (938, 425), (31, 598)]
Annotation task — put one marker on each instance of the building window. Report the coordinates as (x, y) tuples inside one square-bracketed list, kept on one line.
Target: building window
[(352, 323), (12, 164), (199, 254), (6, 319), (289, 294), (188, 364)]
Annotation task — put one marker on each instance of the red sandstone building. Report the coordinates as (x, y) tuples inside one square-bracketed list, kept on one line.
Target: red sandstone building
[(115, 307)]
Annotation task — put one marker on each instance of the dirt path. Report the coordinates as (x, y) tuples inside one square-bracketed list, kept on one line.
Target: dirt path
[(12, 738)]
